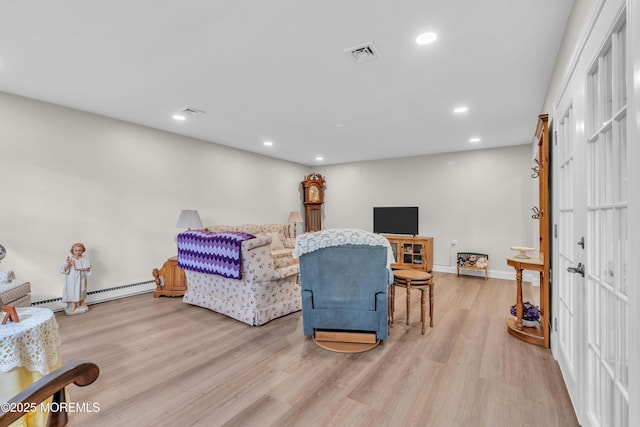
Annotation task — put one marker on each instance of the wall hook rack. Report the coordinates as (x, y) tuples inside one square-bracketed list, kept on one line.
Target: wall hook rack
[(536, 169), (537, 213)]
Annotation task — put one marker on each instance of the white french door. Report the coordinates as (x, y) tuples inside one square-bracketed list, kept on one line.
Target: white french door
[(570, 295), (607, 388), (591, 261)]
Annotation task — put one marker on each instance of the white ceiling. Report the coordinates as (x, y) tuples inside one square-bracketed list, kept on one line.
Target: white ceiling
[(277, 70)]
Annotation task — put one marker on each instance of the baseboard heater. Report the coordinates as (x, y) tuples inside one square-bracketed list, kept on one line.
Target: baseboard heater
[(102, 295)]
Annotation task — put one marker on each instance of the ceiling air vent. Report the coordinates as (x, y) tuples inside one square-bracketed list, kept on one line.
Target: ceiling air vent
[(363, 53), (190, 111)]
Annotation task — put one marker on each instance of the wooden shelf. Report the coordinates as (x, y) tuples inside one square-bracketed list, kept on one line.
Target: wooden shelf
[(530, 335)]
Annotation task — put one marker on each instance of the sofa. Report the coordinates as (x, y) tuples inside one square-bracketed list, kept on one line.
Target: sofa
[(268, 287), (282, 243), (14, 292)]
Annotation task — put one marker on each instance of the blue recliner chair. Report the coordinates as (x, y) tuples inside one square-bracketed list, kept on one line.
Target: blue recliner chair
[(344, 274)]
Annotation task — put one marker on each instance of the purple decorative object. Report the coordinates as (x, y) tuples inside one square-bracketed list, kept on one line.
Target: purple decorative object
[(529, 311), (213, 253)]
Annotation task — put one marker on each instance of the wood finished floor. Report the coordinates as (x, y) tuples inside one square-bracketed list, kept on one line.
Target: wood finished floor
[(166, 363)]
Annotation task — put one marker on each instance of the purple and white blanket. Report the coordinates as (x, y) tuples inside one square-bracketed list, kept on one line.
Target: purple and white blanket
[(214, 253)]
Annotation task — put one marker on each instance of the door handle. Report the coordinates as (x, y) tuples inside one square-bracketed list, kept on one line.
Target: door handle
[(579, 269)]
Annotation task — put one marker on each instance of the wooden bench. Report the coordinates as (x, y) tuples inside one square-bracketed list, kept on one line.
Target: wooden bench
[(473, 261)]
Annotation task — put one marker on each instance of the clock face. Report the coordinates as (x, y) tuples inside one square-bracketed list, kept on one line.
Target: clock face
[(3, 252), (314, 193)]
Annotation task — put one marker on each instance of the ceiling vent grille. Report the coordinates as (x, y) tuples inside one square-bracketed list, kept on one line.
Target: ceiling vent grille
[(363, 53), (190, 111)]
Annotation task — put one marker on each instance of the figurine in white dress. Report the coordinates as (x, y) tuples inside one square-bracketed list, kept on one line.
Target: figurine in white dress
[(76, 269)]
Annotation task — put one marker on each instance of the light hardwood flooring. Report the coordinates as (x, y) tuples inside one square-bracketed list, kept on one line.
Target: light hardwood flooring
[(165, 363)]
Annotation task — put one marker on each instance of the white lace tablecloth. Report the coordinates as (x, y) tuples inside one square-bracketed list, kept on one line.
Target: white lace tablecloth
[(310, 242), (33, 343)]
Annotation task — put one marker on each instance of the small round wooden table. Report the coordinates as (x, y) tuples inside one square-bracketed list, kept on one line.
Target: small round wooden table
[(413, 279)]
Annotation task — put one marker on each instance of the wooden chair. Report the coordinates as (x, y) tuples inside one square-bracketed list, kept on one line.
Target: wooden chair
[(79, 372)]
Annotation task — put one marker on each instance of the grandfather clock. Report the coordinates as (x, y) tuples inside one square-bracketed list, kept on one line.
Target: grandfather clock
[(313, 186)]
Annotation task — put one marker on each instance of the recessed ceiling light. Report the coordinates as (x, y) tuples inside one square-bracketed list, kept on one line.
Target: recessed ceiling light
[(339, 125), (474, 140), (426, 38), (179, 117), (267, 143), (319, 158), (461, 109)]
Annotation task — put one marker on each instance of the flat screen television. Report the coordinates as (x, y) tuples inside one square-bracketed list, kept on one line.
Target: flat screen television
[(396, 220)]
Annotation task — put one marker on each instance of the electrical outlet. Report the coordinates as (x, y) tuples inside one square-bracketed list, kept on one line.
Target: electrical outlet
[(454, 242)]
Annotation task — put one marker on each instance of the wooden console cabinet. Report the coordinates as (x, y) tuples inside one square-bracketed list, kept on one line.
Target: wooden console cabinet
[(412, 252), (170, 279)]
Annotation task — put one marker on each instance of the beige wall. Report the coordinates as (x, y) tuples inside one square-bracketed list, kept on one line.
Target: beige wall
[(73, 176), (118, 187), (481, 199)]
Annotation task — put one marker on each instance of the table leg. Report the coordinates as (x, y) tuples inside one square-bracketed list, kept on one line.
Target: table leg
[(431, 292), (519, 307), (423, 308), (408, 300)]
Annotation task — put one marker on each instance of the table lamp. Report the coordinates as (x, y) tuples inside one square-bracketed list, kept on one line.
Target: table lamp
[(189, 219), (294, 218)]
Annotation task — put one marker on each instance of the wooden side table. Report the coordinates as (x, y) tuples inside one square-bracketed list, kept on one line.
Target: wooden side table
[(537, 336), (413, 279), (31, 350), (170, 279)]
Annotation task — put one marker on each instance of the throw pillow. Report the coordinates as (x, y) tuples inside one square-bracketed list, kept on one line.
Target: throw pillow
[(276, 241)]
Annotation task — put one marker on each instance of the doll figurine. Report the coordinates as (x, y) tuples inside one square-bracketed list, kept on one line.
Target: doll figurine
[(76, 269)]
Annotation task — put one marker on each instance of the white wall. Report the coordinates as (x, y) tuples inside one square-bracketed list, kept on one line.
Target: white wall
[(117, 187), (573, 31), (480, 198)]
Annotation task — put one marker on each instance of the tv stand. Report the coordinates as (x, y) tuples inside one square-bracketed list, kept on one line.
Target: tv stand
[(413, 252)]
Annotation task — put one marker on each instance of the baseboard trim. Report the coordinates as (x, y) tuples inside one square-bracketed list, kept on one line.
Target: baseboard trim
[(102, 295), (527, 276)]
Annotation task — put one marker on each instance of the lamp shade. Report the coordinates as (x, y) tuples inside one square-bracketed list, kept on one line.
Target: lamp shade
[(189, 219), (295, 217)]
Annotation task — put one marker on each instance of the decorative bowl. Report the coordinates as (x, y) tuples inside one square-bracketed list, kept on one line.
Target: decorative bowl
[(522, 251)]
